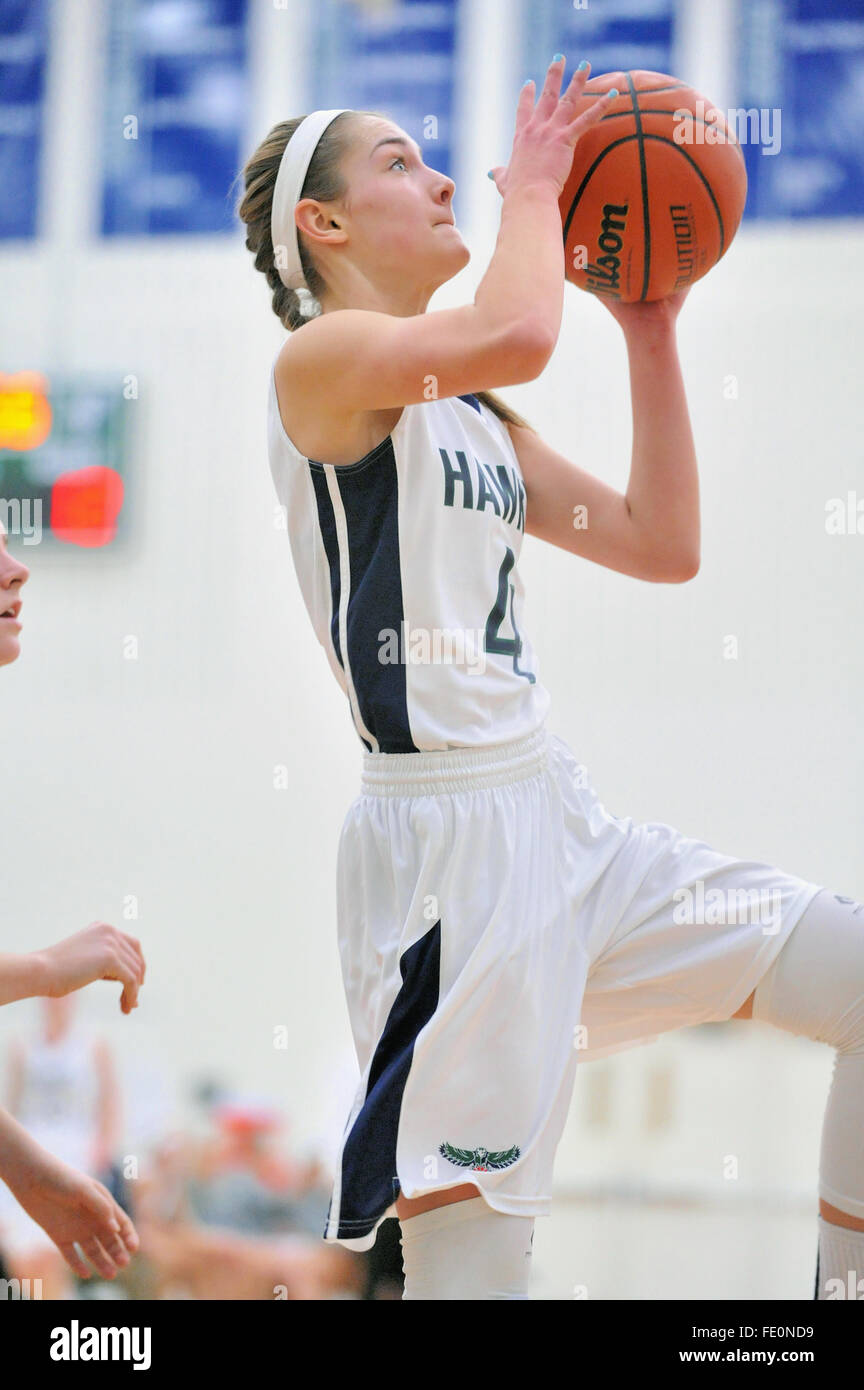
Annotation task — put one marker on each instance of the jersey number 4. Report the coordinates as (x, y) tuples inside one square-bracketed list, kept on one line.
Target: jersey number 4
[(506, 646)]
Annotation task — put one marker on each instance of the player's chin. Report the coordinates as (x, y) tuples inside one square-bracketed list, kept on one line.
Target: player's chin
[(458, 254), (10, 650)]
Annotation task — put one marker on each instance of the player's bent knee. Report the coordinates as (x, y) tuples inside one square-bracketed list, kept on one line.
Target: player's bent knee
[(815, 986)]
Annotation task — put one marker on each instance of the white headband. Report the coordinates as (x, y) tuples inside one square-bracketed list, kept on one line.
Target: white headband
[(286, 195)]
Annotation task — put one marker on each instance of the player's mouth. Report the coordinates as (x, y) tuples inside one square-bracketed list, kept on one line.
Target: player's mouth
[(10, 614)]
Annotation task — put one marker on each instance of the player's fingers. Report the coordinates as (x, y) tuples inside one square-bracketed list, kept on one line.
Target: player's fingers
[(74, 1261), (548, 99), (124, 966), (116, 1251), (127, 1233), (98, 1257), (128, 998), (137, 946), (574, 90), (134, 944), (133, 949), (133, 957), (595, 112), (525, 105)]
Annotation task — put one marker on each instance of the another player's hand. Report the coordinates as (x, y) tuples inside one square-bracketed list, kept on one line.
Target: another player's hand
[(76, 1210), (99, 952), (648, 314)]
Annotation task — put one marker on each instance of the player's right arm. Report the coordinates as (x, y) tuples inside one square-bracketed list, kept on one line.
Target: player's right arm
[(361, 360)]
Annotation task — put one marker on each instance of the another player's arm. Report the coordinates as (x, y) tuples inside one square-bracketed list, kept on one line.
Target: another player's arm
[(99, 952), (651, 531), (21, 977), (72, 1208)]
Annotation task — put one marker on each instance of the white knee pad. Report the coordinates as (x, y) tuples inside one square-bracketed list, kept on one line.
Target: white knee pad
[(815, 986), (815, 989), (465, 1250)]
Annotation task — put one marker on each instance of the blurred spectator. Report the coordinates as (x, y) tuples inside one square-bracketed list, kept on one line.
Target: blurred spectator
[(62, 1087)]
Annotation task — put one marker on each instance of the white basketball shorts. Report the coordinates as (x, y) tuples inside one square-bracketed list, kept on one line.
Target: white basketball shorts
[(496, 926)]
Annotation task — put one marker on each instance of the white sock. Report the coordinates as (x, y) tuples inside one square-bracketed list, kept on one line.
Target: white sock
[(840, 1269), (465, 1250)]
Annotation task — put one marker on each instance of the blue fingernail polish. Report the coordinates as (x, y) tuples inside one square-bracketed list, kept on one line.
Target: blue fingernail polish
[(613, 92), (490, 175), (583, 65), (528, 81), (558, 57)]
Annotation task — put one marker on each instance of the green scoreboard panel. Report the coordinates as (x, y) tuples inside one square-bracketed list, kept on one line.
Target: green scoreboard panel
[(63, 458)]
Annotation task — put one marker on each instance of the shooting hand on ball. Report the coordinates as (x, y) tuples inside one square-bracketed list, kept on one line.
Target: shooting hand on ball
[(640, 314)]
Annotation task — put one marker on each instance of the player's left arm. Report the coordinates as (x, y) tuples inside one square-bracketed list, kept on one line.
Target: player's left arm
[(651, 531)]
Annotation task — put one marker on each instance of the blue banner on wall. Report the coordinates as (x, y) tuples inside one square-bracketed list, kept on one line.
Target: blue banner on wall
[(177, 98), (612, 34), (397, 58), (801, 65), (23, 47)]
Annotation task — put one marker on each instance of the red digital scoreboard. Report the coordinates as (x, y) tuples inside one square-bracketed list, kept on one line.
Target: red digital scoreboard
[(63, 458)]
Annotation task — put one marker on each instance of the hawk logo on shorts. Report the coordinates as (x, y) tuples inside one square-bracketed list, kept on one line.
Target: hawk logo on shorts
[(481, 1160)]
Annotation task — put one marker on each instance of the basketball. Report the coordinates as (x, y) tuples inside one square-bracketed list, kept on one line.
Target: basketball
[(656, 191)]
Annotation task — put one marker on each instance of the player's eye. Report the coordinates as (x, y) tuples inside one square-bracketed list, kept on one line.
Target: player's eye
[(399, 160)]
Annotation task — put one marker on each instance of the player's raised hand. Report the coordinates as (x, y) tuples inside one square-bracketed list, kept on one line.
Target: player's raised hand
[(99, 952), (547, 134)]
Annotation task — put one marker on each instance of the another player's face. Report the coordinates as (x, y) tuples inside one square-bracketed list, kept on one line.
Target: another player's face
[(12, 576), (400, 212)]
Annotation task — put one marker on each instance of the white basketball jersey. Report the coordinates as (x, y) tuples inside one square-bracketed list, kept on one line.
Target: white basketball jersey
[(59, 1083), (408, 565)]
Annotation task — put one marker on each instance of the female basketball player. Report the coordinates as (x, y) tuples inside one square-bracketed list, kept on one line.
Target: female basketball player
[(490, 909), (70, 1207)]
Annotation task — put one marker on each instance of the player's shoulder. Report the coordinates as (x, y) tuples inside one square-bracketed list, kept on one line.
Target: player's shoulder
[(327, 337), (311, 364)]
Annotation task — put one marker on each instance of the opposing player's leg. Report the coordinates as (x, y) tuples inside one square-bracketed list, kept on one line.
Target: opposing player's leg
[(815, 989)]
